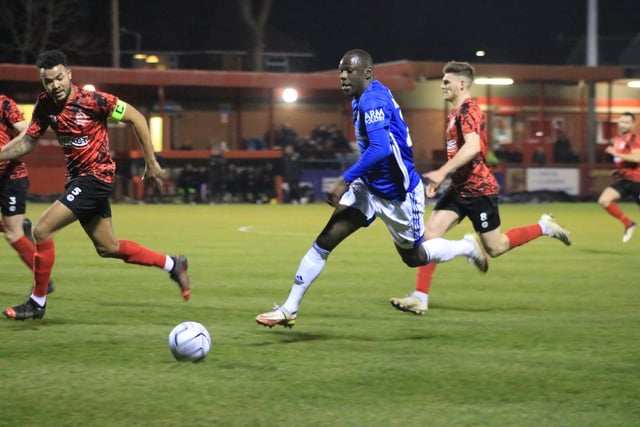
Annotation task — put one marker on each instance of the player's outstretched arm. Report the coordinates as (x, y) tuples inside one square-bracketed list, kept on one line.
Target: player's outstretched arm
[(633, 156), (135, 118), (18, 147), (465, 154)]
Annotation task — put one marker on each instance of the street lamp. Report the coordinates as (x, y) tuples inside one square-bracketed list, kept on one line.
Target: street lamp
[(138, 56), (289, 95), (135, 34)]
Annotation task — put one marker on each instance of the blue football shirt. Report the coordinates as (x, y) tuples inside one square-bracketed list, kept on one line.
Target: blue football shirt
[(386, 155)]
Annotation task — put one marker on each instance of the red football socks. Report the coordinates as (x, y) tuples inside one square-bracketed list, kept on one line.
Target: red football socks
[(615, 212), (132, 253), (44, 257), (424, 276), (521, 235), (26, 249)]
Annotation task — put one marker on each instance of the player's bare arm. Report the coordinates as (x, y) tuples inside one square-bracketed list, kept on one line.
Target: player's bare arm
[(152, 168), (21, 127), (18, 147), (465, 154), (633, 156)]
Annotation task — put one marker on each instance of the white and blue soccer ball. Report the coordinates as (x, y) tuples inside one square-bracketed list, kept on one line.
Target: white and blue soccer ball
[(189, 342)]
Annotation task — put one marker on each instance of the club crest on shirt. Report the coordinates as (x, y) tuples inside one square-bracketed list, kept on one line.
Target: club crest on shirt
[(81, 118)]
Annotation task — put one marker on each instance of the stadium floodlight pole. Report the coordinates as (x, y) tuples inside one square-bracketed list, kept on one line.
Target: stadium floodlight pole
[(115, 34), (592, 33), (592, 61)]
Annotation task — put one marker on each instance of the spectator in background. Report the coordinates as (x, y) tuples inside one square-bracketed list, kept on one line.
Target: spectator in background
[(539, 157), (186, 145), (217, 175), (266, 183), (562, 150), (248, 183), (626, 156), (285, 135), (338, 140), (291, 173), (188, 183), (203, 184), (321, 137), (123, 178), (507, 156), (234, 182), (492, 159)]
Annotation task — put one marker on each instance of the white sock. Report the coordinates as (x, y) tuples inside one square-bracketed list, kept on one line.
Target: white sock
[(544, 225), (442, 250), (41, 301), (168, 263), (421, 296), (309, 269)]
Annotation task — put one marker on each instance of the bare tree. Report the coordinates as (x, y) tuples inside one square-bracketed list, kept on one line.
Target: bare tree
[(255, 14), (33, 26)]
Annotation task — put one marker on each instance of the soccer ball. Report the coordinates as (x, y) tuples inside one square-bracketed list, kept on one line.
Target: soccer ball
[(189, 342)]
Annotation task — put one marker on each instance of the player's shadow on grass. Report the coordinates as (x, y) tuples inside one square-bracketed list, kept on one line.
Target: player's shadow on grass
[(14, 295), (396, 337), (471, 309), (291, 337), (32, 325), (601, 251)]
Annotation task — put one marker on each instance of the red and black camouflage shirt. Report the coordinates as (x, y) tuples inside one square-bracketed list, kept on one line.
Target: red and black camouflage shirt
[(81, 127)]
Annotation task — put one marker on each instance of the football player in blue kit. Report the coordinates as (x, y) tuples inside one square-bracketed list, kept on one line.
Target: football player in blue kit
[(383, 184)]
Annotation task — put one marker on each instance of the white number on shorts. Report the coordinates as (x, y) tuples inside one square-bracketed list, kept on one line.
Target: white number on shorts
[(483, 218), (71, 197)]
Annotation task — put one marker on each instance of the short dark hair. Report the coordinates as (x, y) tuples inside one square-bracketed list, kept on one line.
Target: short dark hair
[(50, 59), (460, 69), (363, 55), (629, 114)]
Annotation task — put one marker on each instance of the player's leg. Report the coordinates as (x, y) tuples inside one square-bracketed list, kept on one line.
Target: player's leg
[(440, 250), (107, 245), (608, 199), (355, 211), (417, 301), (496, 243), (17, 229), (485, 217), (343, 222), (13, 196), (88, 197), (14, 235), (56, 217), (445, 215), (405, 222), (634, 190)]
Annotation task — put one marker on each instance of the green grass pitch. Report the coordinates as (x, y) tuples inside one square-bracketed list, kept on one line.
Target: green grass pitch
[(549, 337)]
